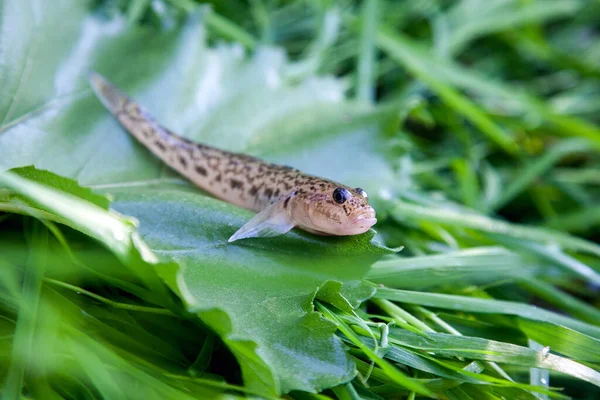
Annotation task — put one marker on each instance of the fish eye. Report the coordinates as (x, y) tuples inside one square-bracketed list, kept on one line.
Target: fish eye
[(340, 195), (362, 193)]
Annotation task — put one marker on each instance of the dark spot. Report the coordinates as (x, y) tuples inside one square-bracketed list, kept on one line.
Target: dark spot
[(277, 192), (313, 188), (287, 200), (218, 178), (201, 170), (183, 161), (235, 184), (160, 145), (253, 190), (268, 192)]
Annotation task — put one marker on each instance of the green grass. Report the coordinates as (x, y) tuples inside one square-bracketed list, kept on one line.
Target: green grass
[(474, 126)]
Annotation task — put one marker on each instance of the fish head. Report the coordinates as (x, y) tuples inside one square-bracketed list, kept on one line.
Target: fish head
[(327, 208)]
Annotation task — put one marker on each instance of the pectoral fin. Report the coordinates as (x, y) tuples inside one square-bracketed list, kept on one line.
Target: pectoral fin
[(274, 220)]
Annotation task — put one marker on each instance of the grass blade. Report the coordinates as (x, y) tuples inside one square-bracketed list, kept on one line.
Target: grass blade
[(403, 53), (527, 175), (489, 350), (22, 354), (561, 300), (365, 89), (403, 210), (484, 264), (487, 306), (389, 369)]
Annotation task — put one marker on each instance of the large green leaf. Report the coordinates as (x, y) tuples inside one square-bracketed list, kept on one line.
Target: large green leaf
[(79, 341), (256, 294), (265, 287)]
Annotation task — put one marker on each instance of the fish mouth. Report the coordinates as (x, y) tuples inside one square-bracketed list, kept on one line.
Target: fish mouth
[(365, 220)]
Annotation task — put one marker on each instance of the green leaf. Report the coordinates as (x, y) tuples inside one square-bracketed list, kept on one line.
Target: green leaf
[(260, 300), (62, 184), (256, 294), (264, 287), (117, 328), (113, 231), (60, 326), (331, 292)]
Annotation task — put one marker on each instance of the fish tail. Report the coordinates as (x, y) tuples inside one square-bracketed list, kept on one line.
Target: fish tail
[(173, 149), (133, 116), (130, 114), (111, 97)]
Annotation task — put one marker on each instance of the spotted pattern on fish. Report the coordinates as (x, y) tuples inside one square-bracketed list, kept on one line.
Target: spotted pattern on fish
[(241, 179)]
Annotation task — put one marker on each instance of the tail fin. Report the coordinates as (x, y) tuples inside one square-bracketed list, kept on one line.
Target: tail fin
[(111, 97), (188, 158), (141, 125)]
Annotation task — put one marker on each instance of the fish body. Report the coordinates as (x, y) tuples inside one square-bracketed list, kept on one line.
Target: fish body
[(282, 196)]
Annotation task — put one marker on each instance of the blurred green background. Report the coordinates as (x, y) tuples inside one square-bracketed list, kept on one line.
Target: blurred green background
[(473, 125)]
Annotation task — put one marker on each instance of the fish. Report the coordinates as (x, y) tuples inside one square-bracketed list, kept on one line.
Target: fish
[(283, 197)]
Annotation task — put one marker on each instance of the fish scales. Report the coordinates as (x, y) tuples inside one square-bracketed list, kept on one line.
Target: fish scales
[(240, 179), (243, 180)]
